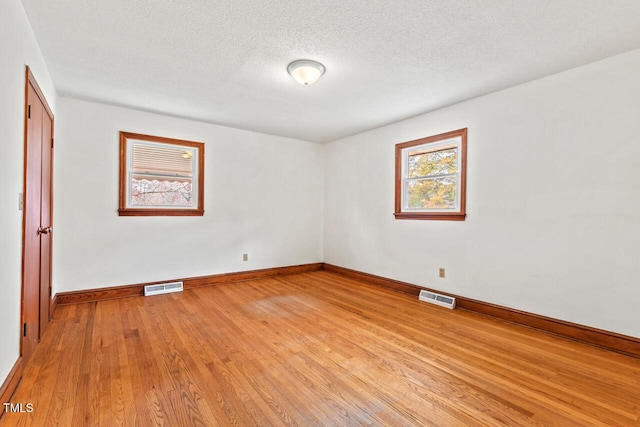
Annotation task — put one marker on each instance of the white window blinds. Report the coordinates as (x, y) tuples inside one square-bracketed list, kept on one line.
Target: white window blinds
[(162, 160)]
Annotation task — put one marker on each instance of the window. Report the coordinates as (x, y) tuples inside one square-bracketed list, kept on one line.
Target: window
[(160, 176), (431, 177)]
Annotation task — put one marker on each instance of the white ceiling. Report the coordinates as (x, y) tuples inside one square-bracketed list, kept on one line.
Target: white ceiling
[(225, 61)]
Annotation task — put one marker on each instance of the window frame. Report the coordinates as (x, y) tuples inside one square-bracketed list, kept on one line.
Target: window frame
[(124, 182), (457, 215)]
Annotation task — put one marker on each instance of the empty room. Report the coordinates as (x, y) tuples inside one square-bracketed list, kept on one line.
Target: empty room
[(320, 213)]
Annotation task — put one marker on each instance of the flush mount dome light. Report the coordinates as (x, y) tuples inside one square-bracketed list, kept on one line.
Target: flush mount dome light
[(305, 71)]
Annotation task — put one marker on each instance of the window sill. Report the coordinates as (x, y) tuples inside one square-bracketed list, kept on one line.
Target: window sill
[(437, 216), (160, 212)]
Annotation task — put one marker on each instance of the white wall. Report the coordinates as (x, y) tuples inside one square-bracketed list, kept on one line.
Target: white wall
[(553, 200), (262, 197), (18, 48)]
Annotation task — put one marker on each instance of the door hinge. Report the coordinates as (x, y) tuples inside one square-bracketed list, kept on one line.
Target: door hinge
[(24, 329), (29, 111), (51, 142)]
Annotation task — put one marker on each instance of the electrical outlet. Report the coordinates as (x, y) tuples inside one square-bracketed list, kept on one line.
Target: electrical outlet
[(245, 257), (441, 272)]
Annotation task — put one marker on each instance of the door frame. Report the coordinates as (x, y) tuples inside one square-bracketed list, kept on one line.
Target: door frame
[(31, 81)]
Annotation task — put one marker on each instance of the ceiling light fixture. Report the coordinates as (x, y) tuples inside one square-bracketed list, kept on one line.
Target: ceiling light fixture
[(305, 71)]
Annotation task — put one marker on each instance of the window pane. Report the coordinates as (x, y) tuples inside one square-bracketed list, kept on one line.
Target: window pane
[(162, 159), (431, 193), (149, 191), (421, 163), (162, 175)]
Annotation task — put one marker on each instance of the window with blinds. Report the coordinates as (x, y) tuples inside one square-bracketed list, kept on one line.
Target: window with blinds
[(160, 176)]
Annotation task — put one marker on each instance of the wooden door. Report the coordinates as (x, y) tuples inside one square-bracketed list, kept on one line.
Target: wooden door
[(36, 262), (46, 222)]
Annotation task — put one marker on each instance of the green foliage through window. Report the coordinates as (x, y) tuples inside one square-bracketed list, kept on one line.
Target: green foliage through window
[(434, 193), (434, 184), (432, 163)]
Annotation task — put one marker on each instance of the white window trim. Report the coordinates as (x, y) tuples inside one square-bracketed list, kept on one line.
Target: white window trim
[(430, 148), (193, 176)]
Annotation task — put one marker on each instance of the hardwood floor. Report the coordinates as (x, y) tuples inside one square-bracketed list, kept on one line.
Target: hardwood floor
[(313, 349)]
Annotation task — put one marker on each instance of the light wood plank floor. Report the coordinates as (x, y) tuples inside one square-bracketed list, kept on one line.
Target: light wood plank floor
[(313, 349)]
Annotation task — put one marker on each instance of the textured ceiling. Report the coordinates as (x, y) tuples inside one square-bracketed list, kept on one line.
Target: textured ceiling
[(225, 61)]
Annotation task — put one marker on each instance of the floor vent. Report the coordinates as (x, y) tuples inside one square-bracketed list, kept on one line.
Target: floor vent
[(163, 288), (433, 298)]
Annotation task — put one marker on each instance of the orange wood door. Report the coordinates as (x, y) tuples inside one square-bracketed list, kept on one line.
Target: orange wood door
[(36, 290), (46, 222)]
